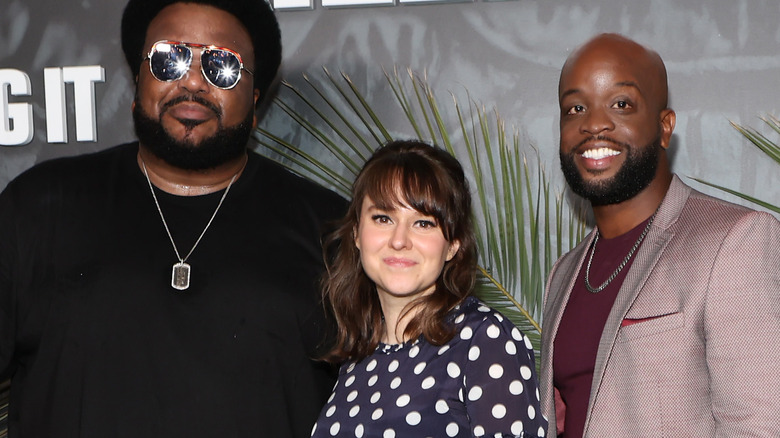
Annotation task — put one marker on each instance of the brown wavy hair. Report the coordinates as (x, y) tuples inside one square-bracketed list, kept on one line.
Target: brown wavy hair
[(431, 181)]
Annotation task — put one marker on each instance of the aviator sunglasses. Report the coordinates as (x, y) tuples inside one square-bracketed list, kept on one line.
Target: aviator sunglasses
[(171, 60)]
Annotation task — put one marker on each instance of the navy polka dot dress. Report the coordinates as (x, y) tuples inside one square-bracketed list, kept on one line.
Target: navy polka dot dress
[(481, 383)]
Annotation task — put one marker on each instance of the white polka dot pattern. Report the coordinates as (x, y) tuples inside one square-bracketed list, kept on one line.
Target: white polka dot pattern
[(481, 383)]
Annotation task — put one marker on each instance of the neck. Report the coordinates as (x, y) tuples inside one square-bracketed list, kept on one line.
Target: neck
[(395, 320), (617, 219), (183, 182)]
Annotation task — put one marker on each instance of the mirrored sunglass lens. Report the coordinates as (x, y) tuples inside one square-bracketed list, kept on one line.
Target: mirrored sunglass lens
[(221, 67), (170, 62)]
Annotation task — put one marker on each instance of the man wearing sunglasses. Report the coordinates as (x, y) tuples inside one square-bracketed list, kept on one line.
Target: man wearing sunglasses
[(167, 287)]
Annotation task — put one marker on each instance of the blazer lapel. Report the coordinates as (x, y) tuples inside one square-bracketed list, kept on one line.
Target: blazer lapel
[(558, 289), (646, 258)]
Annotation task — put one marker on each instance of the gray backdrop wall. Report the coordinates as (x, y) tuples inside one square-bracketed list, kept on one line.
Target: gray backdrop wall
[(723, 59)]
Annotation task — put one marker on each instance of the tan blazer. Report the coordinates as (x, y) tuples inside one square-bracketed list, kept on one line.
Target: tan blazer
[(704, 360)]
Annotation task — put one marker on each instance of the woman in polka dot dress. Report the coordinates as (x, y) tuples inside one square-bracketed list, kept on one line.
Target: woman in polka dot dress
[(420, 356)]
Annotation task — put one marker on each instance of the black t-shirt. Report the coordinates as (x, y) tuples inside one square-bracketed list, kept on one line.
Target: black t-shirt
[(98, 343)]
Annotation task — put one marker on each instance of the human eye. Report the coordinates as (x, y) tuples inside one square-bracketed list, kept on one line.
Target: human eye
[(381, 218), (427, 223), (622, 104), (575, 109)]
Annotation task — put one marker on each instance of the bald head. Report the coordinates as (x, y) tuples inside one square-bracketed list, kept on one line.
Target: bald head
[(615, 124), (626, 55)]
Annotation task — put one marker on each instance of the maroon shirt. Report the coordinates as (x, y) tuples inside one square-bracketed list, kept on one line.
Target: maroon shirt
[(577, 340)]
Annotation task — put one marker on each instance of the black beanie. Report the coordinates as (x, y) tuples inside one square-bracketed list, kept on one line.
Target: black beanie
[(256, 16)]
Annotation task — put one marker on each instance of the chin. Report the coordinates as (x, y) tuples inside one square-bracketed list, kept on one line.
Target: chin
[(411, 291), (215, 145)]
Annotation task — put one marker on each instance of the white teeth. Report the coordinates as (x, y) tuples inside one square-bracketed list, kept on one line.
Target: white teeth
[(598, 154)]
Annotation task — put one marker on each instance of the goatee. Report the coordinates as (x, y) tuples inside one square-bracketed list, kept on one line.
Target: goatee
[(637, 172), (227, 144)]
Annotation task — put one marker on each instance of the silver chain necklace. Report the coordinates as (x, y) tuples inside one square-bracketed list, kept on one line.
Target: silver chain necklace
[(180, 274), (620, 267)]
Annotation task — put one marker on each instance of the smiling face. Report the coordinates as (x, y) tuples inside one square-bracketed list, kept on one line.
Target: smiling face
[(402, 250), (190, 111), (614, 121)]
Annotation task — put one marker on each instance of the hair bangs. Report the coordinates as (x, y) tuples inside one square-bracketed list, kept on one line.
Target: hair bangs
[(412, 181)]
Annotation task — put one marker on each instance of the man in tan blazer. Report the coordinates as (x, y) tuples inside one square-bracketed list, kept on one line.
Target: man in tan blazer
[(665, 320)]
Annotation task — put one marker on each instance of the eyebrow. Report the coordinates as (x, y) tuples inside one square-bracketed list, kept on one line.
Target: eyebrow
[(375, 207), (619, 84), (629, 84), (567, 93)]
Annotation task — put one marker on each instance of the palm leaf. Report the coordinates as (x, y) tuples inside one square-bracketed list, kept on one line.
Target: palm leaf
[(767, 146), (522, 225), (764, 204)]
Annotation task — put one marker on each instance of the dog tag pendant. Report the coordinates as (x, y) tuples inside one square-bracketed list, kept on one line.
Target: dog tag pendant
[(180, 277)]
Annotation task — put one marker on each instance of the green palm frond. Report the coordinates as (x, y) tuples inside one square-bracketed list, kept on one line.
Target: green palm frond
[(768, 147), (523, 226), (756, 201), (489, 290)]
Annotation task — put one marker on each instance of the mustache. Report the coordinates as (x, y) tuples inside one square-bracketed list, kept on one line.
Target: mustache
[(602, 138), (191, 98)]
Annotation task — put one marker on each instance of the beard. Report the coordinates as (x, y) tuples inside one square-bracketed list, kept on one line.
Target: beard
[(227, 144), (637, 172)]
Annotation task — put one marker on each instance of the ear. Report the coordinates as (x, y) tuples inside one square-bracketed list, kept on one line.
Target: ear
[(354, 237), (668, 120), (255, 97), (454, 247)]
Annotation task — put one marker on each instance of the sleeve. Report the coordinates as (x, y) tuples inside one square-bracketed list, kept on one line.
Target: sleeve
[(500, 386), (742, 329), (7, 256)]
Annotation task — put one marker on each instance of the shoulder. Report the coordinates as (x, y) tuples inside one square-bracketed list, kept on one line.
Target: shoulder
[(287, 180), (735, 247), (701, 203), (707, 215), (69, 174), (489, 346), (287, 186), (564, 268), (475, 320), (88, 161)]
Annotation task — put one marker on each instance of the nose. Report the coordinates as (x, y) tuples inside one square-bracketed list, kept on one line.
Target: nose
[(400, 238), (193, 81), (596, 121)]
